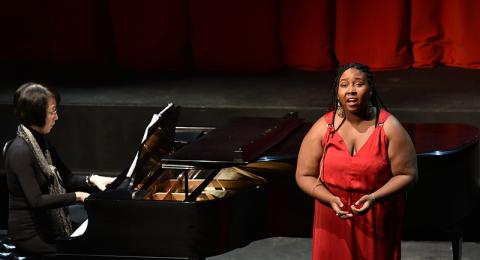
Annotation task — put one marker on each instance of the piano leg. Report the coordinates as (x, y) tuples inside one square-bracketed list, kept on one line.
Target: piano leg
[(457, 241)]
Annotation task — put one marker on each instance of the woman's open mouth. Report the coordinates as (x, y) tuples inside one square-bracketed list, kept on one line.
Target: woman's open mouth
[(352, 101)]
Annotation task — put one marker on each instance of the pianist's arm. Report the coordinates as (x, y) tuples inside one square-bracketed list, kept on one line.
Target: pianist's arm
[(77, 182)]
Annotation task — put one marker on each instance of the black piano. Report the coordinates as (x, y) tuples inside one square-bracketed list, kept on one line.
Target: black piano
[(441, 204), (202, 193), (198, 192)]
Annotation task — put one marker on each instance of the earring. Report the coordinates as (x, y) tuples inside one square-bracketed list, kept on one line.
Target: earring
[(371, 111), (340, 111)]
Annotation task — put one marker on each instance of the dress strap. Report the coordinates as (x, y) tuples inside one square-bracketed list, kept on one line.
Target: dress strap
[(329, 118), (383, 116), (325, 142)]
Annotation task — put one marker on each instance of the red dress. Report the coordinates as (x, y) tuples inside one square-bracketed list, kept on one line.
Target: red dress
[(374, 235)]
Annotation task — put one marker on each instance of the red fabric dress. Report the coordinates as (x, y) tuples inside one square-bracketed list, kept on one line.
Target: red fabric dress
[(374, 235)]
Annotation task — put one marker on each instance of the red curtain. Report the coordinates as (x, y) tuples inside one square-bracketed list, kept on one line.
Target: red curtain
[(445, 32), (234, 35), (307, 33), (373, 32), (242, 35), (151, 34), (53, 32), (78, 32), (23, 31)]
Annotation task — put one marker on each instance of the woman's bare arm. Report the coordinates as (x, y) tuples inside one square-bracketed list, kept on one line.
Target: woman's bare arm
[(307, 173), (402, 157), (403, 163)]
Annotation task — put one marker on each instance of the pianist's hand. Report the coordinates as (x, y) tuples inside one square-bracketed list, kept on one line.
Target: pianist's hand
[(81, 196), (101, 181)]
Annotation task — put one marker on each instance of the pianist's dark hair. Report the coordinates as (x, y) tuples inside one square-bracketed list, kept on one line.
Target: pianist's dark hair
[(30, 103), (375, 98)]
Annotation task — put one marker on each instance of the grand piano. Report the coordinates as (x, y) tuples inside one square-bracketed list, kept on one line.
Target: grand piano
[(202, 193), (198, 192), (440, 206)]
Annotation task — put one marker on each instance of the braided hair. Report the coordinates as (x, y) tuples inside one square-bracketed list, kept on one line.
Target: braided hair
[(374, 99)]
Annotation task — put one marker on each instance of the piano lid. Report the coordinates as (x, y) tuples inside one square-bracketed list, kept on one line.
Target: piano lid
[(436, 139), (157, 142), (241, 141)]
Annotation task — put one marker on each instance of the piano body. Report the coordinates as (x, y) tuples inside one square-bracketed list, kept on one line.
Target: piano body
[(229, 186), (205, 198), (447, 191)]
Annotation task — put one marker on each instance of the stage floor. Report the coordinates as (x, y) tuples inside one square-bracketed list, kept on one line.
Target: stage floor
[(286, 248), (441, 94)]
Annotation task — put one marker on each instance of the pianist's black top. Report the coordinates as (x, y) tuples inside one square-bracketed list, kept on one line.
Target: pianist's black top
[(28, 190)]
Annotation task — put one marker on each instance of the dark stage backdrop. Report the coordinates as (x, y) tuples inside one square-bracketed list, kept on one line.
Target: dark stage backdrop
[(240, 35)]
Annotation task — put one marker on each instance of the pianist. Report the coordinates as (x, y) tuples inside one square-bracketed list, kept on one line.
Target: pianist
[(356, 161), (40, 186)]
